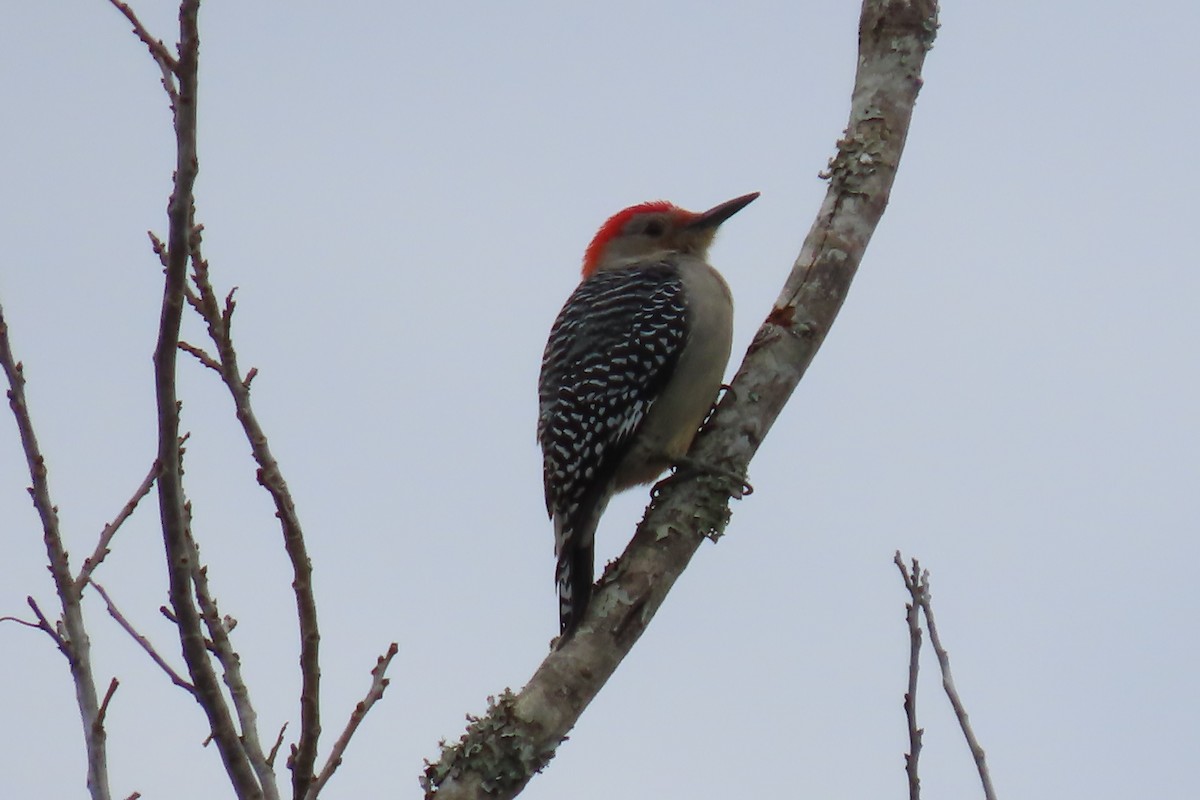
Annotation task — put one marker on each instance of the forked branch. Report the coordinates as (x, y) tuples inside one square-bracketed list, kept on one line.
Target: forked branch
[(916, 581), (71, 639), (171, 501), (218, 317)]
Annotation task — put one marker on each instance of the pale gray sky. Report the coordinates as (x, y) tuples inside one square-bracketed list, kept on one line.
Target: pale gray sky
[(403, 193)]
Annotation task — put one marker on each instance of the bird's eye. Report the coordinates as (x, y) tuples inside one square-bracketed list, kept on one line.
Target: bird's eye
[(654, 228)]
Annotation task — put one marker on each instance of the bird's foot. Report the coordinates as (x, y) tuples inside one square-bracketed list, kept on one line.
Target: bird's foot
[(734, 482)]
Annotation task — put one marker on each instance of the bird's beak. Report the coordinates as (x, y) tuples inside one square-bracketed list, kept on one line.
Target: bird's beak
[(718, 214)]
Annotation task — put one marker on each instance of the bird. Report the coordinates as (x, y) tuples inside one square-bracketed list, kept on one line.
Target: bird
[(632, 366)]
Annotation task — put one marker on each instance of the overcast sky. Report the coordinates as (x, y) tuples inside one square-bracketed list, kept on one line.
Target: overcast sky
[(403, 193)]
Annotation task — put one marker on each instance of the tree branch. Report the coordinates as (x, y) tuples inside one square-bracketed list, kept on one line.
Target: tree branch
[(35, 625), (925, 600), (72, 640), (110, 530), (378, 684), (275, 747), (219, 319), (912, 582), (231, 665), (162, 56), (501, 752), (201, 356), (142, 641), (180, 215), (43, 624), (108, 695)]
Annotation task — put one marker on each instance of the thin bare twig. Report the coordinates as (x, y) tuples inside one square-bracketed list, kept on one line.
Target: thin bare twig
[(110, 530), (231, 666), (378, 684), (72, 640), (54, 631), (193, 299), (275, 747), (157, 49), (108, 695), (25, 622), (160, 249), (162, 56), (912, 616), (951, 692), (142, 641), (201, 356), (43, 625)]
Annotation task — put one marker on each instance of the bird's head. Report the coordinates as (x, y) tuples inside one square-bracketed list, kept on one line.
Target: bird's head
[(654, 228)]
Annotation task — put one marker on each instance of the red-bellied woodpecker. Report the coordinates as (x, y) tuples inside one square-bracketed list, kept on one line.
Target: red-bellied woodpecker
[(631, 369)]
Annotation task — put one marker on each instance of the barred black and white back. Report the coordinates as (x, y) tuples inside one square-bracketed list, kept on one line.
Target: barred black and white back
[(612, 349)]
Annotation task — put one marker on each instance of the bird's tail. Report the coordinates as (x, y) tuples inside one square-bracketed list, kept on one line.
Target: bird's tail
[(575, 546)]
